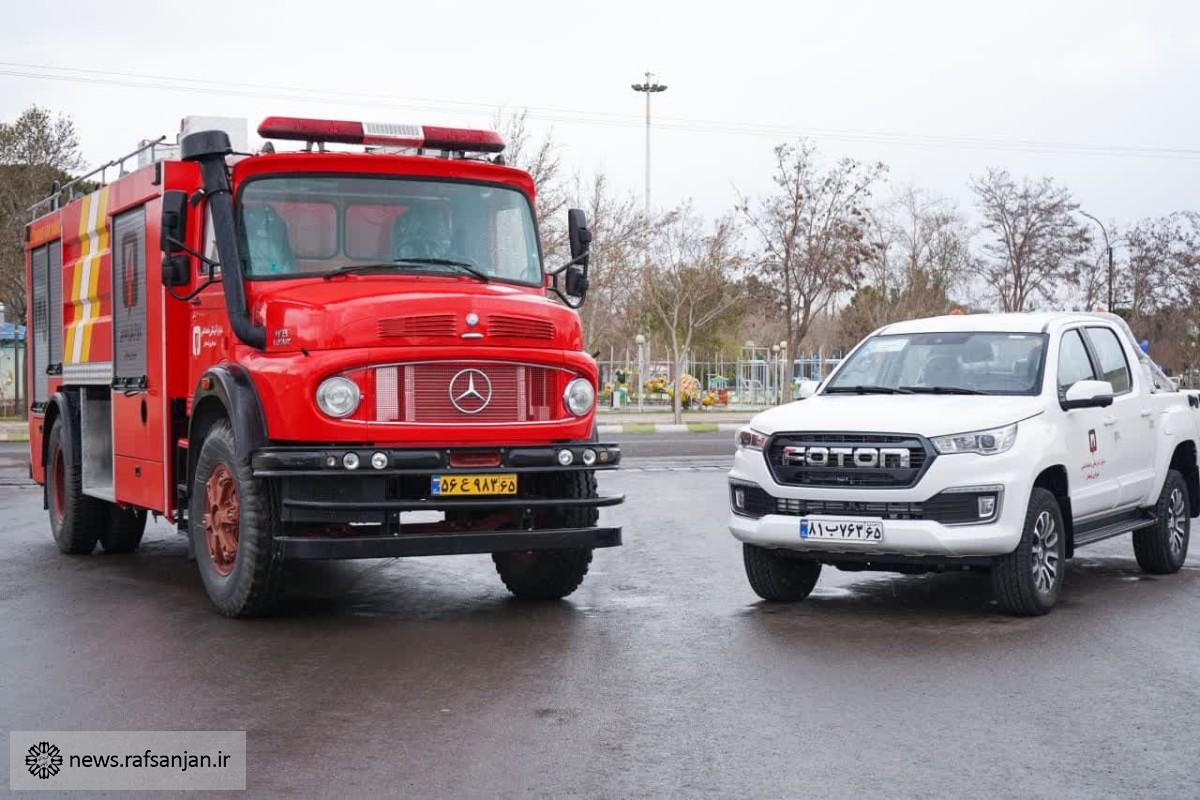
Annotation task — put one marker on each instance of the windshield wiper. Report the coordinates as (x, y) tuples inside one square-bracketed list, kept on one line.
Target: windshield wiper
[(401, 263), (942, 390), (465, 266), (867, 389)]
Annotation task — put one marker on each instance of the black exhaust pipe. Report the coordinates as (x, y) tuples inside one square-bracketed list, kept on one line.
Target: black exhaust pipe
[(209, 149)]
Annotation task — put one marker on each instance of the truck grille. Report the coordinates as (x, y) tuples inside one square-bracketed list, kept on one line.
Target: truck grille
[(457, 393), (851, 460), (424, 325), (509, 327), (947, 507)]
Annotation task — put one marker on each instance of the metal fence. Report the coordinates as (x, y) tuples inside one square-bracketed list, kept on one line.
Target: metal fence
[(756, 380)]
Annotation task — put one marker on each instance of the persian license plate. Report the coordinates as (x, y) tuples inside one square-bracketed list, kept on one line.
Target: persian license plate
[(444, 485), (852, 530)]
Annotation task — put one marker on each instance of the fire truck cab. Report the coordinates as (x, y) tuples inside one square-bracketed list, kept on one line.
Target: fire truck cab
[(315, 355)]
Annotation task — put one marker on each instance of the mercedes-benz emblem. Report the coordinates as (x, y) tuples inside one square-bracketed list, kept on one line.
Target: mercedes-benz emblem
[(470, 391), (472, 319)]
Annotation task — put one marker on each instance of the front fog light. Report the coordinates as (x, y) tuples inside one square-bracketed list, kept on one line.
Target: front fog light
[(987, 505), (379, 460), (350, 461), (739, 498), (338, 397), (589, 457), (566, 457), (579, 396)]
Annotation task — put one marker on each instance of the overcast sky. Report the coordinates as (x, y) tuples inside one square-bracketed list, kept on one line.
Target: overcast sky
[(938, 91)]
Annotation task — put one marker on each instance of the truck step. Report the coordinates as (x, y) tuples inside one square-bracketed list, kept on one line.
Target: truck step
[(1106, 529)]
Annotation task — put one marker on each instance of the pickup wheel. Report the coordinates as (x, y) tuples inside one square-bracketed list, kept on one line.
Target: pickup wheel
[(76, 520), (777, 577), (1028, 581), (232, 524), (1162, 548)]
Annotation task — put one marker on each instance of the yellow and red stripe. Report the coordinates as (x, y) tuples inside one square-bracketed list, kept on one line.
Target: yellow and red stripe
[(85, 287)]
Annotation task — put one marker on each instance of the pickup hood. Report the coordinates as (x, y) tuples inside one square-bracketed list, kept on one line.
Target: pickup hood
[(374, 311), (922, 414)]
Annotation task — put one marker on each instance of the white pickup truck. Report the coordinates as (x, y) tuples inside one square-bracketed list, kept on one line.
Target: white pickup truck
[(994, 441)]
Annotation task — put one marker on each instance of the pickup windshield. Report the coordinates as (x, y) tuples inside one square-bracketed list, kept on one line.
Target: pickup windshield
[(310, 226), (944, 363)]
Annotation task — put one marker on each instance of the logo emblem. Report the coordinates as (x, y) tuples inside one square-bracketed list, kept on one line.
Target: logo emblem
[(470, 391), (44, 760), (1092, 441), (472, 319)]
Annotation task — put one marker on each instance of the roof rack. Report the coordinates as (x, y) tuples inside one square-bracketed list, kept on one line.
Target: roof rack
[(54, 201)]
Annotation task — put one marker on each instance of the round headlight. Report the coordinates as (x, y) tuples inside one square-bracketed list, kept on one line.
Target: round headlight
[(338, 397), (579, 397)]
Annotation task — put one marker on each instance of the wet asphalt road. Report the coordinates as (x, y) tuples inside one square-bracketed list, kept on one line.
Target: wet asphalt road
[(662, 676)]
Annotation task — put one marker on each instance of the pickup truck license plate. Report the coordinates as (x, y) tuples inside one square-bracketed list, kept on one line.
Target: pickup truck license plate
[(852, 530), (445, 485)]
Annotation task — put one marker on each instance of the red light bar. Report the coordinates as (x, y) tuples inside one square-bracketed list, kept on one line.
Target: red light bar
[(381, 133)]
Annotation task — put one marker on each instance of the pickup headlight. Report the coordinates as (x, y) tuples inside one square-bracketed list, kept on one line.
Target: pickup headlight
[(750, 439), (985, 443)]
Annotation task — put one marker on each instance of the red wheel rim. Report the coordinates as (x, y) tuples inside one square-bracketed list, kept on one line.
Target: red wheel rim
[(58, 470), (221, 517)]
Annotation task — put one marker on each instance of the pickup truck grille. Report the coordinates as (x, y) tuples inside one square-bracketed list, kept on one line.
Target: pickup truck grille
[(947, 507), (466, 393), (849, 460)]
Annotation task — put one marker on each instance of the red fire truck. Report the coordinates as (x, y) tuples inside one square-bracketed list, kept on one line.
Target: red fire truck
[(287, 353)]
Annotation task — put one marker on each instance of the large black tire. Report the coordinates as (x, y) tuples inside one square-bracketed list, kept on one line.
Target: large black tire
[(778, 577), (251, 584), (1162, 548), (125, 529), (76, 520), (552, 574), (1028, 581)]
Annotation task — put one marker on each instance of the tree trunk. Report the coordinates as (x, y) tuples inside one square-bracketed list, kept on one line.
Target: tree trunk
[(678, 404)]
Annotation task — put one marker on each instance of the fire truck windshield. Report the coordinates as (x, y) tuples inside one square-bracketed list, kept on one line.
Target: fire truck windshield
[(300, 226)]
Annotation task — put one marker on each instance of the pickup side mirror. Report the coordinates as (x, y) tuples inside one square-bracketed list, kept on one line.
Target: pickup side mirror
[(807, 389), (1087, 394), (172, 232)]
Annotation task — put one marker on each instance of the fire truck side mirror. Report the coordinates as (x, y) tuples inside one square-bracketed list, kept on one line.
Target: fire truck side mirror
[(581, 242), (172, 232)]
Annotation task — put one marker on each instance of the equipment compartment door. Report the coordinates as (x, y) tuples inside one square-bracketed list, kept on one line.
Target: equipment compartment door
[(137, 396)]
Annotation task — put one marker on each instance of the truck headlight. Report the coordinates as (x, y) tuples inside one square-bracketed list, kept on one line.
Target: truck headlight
[(579, 396), (986, 443), (750, 439), (338, 397)]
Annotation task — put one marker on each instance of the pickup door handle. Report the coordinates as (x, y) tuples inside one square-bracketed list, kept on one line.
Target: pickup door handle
[(1110, 421)]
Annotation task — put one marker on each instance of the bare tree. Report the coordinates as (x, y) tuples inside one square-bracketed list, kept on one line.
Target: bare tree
[(918, 257), (688, 284), (621, 234), (810, 231), (1035, 238), (541, 157), (36, 149)]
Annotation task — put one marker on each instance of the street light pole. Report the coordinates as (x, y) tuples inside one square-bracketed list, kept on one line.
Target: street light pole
[(648, 88), (1108, 246)]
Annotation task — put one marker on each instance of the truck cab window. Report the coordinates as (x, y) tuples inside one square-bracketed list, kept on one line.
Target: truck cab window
[(1113, 366), (1074, 364), (305, 226)]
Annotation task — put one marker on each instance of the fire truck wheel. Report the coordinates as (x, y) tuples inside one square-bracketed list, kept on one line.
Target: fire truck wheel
[(543, 574), (231, 523), (125, 529), (552, 574), (74, 517)]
